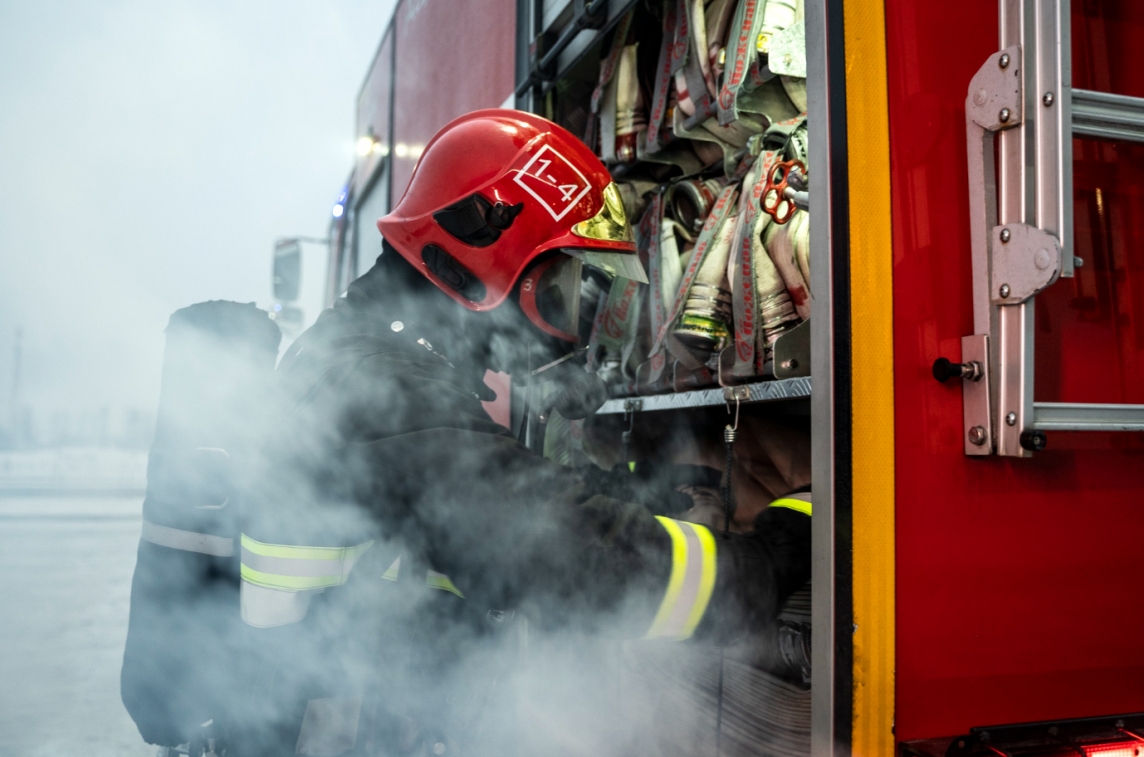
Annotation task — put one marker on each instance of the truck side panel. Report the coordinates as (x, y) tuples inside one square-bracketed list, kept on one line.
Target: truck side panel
[(1017, 579), (373, 112), (444, 70)]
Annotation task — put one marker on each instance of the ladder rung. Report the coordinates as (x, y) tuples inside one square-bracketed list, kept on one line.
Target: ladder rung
[(1076, 416), (1107, 116)]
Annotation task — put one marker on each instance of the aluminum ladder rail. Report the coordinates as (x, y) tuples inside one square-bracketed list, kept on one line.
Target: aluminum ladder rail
[(1021, 206)]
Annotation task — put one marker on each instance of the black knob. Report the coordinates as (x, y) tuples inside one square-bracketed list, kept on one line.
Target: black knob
[(945, 369), (500, 216), (1034, 441)]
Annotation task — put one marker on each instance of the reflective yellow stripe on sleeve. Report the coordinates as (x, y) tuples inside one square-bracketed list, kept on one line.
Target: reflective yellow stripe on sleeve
[(293, 568), (433, 579), (798, 502), (691, 582)]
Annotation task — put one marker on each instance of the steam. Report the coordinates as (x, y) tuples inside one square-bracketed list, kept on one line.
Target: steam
[(369, 436)]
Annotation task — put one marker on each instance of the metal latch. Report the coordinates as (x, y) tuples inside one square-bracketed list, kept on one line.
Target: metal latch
[(740, 393)]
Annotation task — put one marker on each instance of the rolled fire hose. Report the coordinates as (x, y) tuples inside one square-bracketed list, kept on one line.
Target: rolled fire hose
[(630, 118), (779, 240), (705, 324), (689, 202), (802, 249), (776, 310), (671, 261)]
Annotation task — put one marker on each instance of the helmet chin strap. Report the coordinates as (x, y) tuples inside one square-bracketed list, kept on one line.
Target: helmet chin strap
[(574, 353)]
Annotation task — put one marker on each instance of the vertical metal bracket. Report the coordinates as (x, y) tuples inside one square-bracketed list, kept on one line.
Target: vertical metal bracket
[(1018, 108), (975, 397)]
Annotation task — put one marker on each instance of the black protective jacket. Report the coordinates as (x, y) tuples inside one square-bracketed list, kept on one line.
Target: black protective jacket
[(380, 438)]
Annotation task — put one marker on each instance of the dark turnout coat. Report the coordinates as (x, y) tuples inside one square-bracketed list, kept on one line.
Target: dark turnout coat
[(382, 448)]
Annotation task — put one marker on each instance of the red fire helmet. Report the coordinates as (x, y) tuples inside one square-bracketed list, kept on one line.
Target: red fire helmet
[(494, 191)]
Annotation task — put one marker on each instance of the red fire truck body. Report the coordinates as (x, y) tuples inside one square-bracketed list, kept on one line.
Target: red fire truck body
[(954, 587), (1015, 576)]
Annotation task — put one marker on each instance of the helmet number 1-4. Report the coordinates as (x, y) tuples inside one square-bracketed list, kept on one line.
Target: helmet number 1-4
[(553, 181)]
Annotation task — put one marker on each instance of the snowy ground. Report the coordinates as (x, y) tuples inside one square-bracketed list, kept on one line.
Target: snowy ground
[(73, 469), (67, 564)]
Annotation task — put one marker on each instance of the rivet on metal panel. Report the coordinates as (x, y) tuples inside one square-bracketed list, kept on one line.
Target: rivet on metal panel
[(1006, 235), (1004, 291), (1003, 116), (1047, 100), (977, 435), (1003, 61), (1078, 261), (1011, 419)]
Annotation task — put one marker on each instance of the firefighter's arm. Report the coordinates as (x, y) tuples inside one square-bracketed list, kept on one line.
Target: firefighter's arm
[(702, 583)]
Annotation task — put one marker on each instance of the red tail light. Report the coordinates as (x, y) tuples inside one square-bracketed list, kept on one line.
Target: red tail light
[(1118, 749)]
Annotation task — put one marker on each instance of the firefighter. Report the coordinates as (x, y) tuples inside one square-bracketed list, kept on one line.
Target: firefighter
[(386, 471)]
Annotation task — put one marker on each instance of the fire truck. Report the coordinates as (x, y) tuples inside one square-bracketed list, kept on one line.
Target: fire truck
[(967, 352)]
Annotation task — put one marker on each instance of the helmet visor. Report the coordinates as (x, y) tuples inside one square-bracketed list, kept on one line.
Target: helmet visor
[(611, 223), (625, 265), (550, 296)]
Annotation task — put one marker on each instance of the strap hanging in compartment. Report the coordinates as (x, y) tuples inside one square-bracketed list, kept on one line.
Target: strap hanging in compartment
[(741, 54), (662, 82), (664, 273)]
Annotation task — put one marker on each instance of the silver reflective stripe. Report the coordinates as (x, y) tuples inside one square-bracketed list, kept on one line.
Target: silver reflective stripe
[(267, 608), (689, 590), (288, 566), (329, 727), (692, 580), (298, 568), (188, 541)]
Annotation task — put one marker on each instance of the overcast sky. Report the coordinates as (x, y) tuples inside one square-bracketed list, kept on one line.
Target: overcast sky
[(150, 153)]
